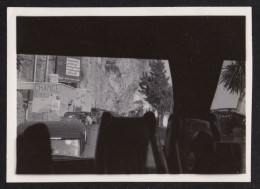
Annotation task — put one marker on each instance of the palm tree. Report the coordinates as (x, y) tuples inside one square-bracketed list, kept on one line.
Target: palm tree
[(233, 78)]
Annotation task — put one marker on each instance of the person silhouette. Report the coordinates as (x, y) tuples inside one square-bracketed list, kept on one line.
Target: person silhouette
[(34, 150)]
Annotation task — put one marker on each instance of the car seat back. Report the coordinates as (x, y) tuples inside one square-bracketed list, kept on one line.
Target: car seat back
[(122, 145)]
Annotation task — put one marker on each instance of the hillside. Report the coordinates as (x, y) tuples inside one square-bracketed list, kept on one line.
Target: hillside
[(112, 83)]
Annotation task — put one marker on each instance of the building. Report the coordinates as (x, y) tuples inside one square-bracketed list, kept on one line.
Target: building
[(49, 86)]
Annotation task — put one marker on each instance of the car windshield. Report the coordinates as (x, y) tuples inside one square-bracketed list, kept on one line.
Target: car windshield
[(66, 88)]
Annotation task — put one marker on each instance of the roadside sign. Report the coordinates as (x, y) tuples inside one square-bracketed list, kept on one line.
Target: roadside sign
[(43, 95), (44, 90), (54, 78), (73, 67), (68, 69)]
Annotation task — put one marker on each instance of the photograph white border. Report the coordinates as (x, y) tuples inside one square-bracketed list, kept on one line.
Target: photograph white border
[(13, 12)]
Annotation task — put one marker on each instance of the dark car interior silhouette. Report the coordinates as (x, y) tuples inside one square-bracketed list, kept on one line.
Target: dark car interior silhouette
[(123, 146), (195, 48)]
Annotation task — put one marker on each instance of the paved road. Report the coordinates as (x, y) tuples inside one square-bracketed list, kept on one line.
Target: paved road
[(92, 132)]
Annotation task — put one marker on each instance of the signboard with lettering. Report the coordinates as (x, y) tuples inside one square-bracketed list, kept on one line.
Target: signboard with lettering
[(68, 69), (73, 67), (54, 78), (43, 95), (44, 90), (51, 101)]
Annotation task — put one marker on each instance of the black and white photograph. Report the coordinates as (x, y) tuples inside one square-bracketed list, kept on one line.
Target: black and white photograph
[(129, 94)]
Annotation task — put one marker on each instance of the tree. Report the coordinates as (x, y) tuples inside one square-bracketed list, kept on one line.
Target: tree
[(138, 112), (233, 78), (155, 86)]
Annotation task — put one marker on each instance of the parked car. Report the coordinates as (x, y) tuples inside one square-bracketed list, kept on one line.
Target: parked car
[(78, 116)]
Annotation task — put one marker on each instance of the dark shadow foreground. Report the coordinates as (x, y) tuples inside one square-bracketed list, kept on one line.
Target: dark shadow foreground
[(122, 146), (34, 151)]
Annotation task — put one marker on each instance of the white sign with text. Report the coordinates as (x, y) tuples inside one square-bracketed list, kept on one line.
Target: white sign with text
[(72, 67)]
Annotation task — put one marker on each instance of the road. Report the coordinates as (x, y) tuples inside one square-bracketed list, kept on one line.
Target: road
[(92, 132)]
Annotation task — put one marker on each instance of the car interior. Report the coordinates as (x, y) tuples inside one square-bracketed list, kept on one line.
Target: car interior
[(195, 48), (123, 144)]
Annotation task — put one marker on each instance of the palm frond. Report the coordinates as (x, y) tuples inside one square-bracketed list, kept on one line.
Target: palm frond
[(233, 77)]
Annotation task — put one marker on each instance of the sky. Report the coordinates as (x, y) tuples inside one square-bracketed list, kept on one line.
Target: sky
[(223, 98)]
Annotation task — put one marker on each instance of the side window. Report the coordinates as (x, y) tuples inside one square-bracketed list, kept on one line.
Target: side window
[(229, 101)]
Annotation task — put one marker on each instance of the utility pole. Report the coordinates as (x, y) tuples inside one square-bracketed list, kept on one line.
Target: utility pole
[(46, 69), (56, 62), (34, 68)]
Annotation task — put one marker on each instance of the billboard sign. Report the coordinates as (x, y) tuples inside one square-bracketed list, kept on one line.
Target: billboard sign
[(73, 67), (68, 69)]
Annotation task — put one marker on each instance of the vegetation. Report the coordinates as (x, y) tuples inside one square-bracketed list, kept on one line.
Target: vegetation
[(155, 86), (111, 67), (233, 78), (138, 112)]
